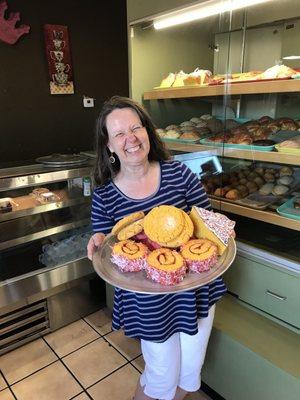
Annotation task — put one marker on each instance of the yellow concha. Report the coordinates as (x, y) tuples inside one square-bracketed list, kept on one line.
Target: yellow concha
[(185, 235), (163, 223), (126, 221), (168, 226), (131, 230)]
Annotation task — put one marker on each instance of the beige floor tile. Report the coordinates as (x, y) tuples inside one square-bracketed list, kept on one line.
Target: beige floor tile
[(100, 320), (129, 347), (6, 395), (93, 362), (25, 360), (82, 396), (71, 337), (118, 386), (51, 383), (139, 363), (3, 384)]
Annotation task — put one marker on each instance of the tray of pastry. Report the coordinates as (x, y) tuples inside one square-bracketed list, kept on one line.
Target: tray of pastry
[(60, 160), (173, 140), (257, 201), (290, 209), (137, 281), (7, 204), (250, 147)]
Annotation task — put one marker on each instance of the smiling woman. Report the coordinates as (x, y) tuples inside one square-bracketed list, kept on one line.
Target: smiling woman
[(122, 128), (127, 138), (173, 328)]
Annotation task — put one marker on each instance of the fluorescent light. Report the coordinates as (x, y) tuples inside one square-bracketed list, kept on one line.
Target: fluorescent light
[(202, 10), (291, 58)]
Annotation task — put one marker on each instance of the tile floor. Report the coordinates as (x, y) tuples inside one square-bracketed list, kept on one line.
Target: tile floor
[(84, 360)]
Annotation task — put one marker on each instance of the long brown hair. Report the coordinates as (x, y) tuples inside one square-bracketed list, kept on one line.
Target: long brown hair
[(104, 170)]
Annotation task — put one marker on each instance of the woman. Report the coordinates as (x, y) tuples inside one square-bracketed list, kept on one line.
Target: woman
[(134, 173)]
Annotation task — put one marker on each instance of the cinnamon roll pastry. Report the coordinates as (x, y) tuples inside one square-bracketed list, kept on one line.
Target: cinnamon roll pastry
[(199, 254), (129, 256), (165, 266)]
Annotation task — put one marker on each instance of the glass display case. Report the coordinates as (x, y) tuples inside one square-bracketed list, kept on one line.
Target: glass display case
[(224, 93), (231, 91), (46, 280)]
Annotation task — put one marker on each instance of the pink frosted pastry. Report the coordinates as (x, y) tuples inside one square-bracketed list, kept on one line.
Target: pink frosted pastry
[(165, 266), (129, 256), (199, 254)]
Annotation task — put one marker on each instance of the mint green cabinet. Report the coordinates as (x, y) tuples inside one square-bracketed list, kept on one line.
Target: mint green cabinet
[(273, 291)]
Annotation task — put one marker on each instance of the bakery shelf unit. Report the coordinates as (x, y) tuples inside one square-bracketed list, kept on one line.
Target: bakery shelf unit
[(263, 87), (271, 86), (46, 279)]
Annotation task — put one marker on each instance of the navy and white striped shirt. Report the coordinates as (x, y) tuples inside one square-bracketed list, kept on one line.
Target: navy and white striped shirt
[(157, 317)]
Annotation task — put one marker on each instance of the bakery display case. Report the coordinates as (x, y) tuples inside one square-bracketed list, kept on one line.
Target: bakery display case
[(234, 120), (46, 280)]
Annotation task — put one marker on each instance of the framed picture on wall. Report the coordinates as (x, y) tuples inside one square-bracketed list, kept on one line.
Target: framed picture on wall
[(59, 59)]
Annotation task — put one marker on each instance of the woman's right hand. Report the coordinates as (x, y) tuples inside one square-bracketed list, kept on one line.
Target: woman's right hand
[(94, 242)]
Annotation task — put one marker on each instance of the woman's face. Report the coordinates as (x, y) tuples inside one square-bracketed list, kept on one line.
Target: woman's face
[(127, 137)]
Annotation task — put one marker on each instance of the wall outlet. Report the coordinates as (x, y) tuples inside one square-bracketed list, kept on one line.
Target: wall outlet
[(88, 102)]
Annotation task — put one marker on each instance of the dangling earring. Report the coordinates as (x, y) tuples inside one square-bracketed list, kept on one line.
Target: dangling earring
[(112, 159)]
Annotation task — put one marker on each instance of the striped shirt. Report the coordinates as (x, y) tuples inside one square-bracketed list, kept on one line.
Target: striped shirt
[(157, 317)]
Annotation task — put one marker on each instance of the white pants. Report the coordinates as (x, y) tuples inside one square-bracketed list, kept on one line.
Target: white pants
[(175, 362)]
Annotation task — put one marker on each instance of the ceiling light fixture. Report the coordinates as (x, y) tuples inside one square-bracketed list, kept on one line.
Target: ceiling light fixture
[(291, 58), (202, 10)]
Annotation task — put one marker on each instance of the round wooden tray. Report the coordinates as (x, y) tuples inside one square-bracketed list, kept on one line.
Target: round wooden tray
[(137, 281)]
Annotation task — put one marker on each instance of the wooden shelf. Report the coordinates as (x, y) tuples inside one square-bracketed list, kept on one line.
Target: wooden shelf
[(279, 86), (266, 156), (266, 216)]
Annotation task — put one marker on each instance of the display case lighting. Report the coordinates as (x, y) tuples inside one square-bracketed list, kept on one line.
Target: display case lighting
[(202, 10)]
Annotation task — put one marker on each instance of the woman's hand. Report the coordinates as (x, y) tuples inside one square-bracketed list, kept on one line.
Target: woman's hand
[(94, 242)]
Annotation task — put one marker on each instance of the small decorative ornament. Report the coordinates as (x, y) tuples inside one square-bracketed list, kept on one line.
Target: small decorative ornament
[(59, 59), (8, 31)]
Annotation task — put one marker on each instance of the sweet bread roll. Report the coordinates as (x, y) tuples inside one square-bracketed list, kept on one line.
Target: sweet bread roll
[(291, 143), (125, 225), (172, 133), (168, 226), (286, 171), (252, 186), (266, 189), (233, 194), (187, 123), (165, 266), (189, 136), (259, 181), (285, 180), (220, 192), (172, 127), (160, 132), (280, 190), (288, 124), (269, 177), (199, 254), (243, 190), (265, 120), (195, 120), (129, 256)]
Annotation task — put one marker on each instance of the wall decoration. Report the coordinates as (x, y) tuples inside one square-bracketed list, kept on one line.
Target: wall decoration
[(8, 31), (59, 59)]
